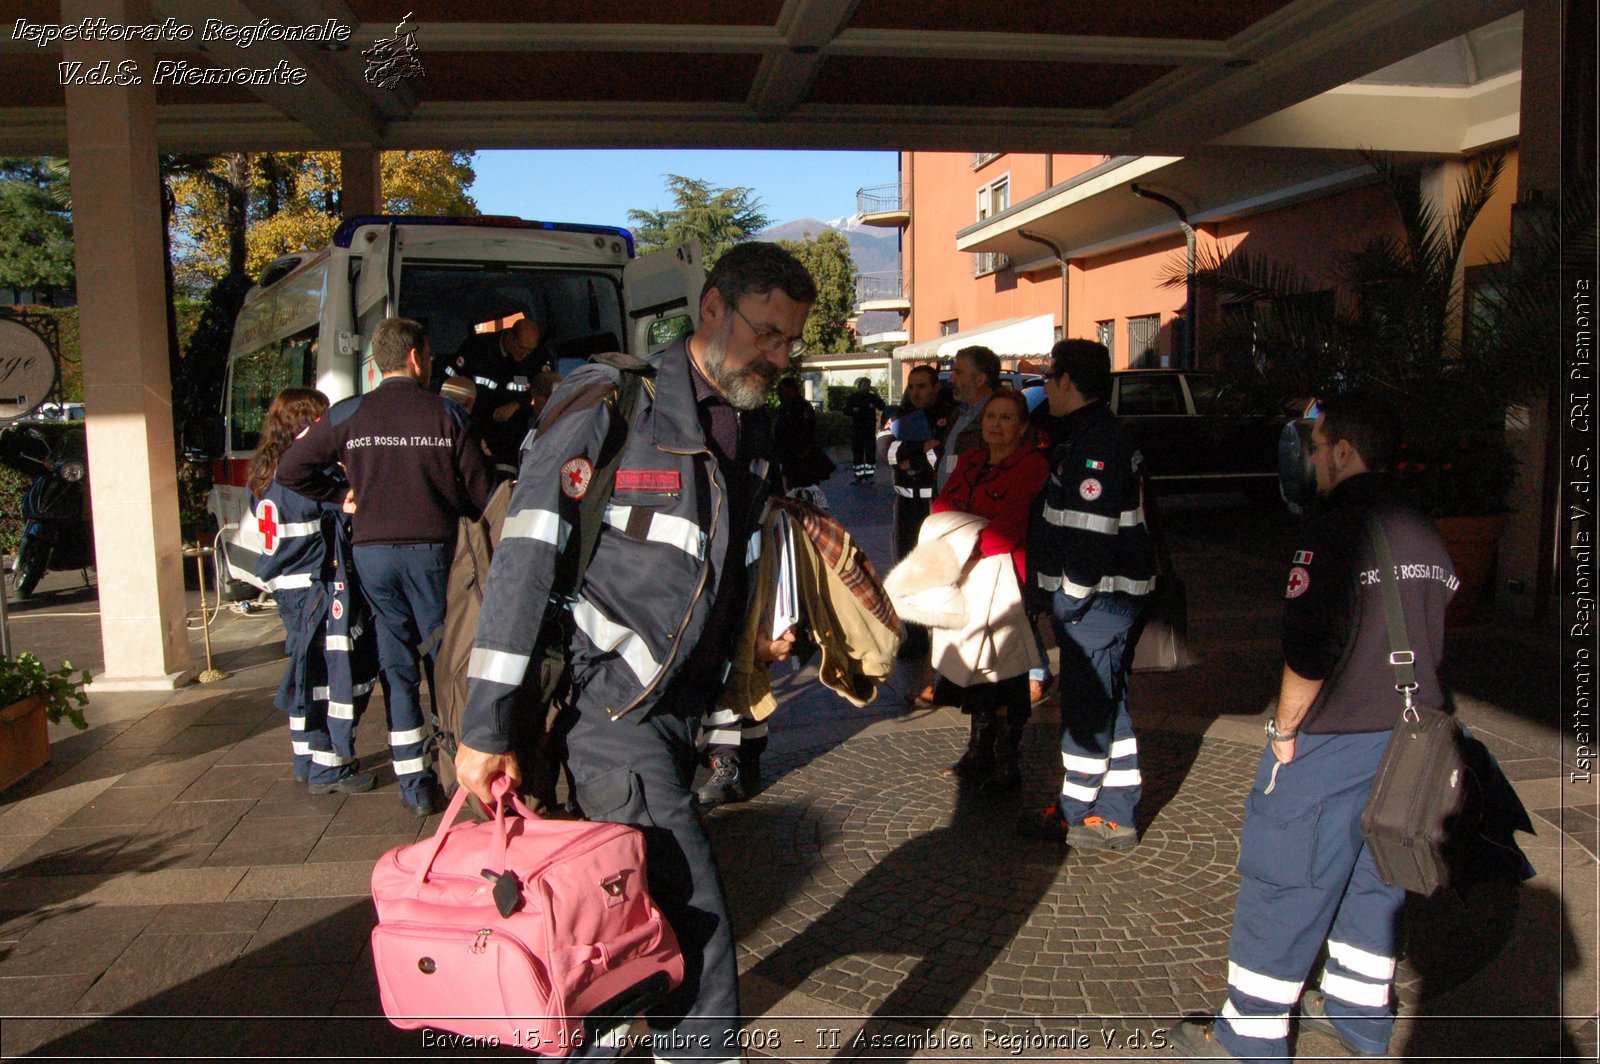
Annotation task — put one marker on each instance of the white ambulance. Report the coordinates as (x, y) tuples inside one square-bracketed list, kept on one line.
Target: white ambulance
[(309, 321)]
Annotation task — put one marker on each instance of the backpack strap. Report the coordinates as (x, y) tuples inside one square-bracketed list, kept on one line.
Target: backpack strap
[(591, 510)]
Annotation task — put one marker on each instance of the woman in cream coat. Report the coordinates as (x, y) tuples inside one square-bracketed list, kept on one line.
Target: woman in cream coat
[(965, 581)]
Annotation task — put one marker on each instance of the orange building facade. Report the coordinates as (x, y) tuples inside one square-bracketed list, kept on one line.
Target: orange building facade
[(1125, 288)]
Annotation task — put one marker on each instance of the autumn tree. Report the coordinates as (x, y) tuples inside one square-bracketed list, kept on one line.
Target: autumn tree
[(272, 204), (717, 217), (827, 258)]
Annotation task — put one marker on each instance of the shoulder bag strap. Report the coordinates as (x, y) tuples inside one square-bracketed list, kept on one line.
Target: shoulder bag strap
[(1401, 656)]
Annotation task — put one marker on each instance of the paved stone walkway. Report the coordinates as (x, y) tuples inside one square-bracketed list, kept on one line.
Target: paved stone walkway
[(167, 889)]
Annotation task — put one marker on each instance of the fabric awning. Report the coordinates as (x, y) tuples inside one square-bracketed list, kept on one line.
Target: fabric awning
[(1011, 338)]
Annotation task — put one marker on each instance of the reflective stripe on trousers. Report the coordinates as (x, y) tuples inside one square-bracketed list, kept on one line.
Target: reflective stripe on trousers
[(1306, 877)]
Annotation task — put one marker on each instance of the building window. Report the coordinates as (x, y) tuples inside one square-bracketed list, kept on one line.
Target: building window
[(992, 199), (980, 159), (1058, 334), (1143, 332), (948, 327), (1106, 333)]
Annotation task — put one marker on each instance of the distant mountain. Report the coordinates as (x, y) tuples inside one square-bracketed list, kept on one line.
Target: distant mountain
[(874, 250)]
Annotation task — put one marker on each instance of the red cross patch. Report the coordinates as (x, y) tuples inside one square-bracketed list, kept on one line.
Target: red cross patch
[(575, 476), (267, 525), (1090, 489), (337, 609), (1299, 582)]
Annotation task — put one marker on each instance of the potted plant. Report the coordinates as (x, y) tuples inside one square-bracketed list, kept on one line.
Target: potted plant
[(1398, 321), (32, 697)]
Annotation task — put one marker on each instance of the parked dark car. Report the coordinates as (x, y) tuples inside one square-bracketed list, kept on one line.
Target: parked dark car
[(1195, 434)]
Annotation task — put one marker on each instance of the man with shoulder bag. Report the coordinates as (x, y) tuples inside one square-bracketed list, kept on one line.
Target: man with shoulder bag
[(1307, 876)]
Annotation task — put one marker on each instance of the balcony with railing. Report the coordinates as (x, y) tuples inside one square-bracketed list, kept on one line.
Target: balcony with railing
[(885, 205), (882, 291)]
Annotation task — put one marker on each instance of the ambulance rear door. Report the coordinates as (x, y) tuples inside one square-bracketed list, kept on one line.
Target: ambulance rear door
[(661, 291)]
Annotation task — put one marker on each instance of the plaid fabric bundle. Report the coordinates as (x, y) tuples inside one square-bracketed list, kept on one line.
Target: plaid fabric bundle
[(835, 544)]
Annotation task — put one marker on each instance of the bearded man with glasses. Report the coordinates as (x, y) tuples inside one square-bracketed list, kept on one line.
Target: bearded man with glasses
[(653, 628)]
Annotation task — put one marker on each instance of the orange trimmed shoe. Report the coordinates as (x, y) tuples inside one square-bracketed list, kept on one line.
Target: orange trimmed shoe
[(1097, 833), (1197, 1040), (1044, 824)]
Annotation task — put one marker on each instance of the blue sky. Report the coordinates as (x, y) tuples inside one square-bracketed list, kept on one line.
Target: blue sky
[(601, 186)]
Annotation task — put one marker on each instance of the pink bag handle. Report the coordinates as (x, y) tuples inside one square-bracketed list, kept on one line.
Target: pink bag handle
[(500, 788)]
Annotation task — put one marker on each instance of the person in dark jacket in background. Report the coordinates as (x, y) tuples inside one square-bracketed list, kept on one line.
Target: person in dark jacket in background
[(1306, 877), (802, 464), (415, 468), (504, 365), (297, 554), (865, 411), (903, 447)]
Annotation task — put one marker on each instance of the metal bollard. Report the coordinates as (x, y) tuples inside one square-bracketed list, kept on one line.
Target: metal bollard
[(198, 553)]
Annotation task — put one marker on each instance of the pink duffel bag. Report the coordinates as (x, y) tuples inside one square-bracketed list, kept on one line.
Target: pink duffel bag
[(519, 929)]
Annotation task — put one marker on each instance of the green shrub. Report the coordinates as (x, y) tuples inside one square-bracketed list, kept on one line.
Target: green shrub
[(13, 486), (833, 429), (26, 677)]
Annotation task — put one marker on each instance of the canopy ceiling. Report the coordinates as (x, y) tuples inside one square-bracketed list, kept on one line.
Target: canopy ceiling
[(1114, 78)]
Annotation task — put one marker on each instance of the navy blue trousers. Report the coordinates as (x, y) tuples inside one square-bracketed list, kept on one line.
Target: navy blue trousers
[(404, 585), (1305, 877), (1099, 754), (639, 772)]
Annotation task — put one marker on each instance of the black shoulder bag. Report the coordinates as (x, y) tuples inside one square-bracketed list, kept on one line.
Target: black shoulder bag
[(1422, 816)]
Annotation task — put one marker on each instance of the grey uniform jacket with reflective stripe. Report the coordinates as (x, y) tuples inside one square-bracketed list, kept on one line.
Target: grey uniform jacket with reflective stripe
[(1090, 535), (649, 586)]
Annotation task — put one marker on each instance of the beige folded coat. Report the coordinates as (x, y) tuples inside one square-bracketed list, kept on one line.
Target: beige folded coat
[(972, 605)]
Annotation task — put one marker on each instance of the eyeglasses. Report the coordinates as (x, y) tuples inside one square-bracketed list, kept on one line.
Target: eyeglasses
[(769, 339)]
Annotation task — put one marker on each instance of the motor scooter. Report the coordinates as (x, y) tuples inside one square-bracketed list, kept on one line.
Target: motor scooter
[(56, 522)]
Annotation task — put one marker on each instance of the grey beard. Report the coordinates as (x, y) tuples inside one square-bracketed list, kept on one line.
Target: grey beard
[(746, 389)]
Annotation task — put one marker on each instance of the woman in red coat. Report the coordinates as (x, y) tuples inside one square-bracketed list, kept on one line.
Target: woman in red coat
[(998, 481)]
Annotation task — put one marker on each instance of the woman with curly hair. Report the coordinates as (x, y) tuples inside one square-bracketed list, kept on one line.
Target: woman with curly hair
[(299, 564)]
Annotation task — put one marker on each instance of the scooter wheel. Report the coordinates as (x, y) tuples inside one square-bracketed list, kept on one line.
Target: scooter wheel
[(30, 567)]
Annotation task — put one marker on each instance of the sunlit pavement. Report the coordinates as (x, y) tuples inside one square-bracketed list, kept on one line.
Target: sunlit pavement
[(167, 888)]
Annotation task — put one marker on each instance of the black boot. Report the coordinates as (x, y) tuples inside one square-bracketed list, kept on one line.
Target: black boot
[(1007, 774), (978, 759), (724, 786)]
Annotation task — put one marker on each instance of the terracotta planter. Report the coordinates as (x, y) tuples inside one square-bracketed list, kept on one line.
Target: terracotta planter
[(24, 740), (1473, 543)]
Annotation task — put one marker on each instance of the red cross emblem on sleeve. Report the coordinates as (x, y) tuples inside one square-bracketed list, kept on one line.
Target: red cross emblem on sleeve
[(267, 525), (1299, 581), (575, 476)]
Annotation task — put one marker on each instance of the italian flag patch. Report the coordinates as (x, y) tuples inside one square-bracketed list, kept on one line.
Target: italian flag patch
[(1302, 557), (1092, 464)]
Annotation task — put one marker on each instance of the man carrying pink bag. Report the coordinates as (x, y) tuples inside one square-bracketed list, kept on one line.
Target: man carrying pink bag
[(666, 584)]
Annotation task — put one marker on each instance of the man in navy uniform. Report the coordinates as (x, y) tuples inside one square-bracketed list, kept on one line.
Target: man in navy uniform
[(504, 365), (652, 630), (415, 467), (1090, 549), (1305, 875)]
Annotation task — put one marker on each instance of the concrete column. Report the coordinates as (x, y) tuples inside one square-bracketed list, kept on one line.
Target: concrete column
[(111, 144), (1526, 551), (361, 181)]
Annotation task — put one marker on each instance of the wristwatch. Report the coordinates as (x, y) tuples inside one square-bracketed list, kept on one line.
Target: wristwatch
[(1276, 736)]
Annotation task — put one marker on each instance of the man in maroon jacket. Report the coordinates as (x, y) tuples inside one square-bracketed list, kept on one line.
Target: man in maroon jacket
[(414, 464)]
